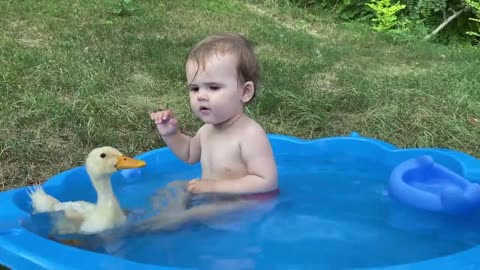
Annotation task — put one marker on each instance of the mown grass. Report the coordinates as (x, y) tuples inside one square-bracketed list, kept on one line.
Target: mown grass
[(74, 76)]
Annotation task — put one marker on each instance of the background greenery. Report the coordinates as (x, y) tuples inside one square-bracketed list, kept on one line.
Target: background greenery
[(78, 74), (455, 20)]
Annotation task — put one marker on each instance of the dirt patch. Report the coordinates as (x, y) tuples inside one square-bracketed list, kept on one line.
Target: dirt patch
[(32, 36), (323, 30), (143, 79), (397, 70), (323, 81)]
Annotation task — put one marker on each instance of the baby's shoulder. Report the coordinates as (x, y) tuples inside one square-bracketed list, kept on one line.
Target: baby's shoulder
[(203, 129), (253, 128)]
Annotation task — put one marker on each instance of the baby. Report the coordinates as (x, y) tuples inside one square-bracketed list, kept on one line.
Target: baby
[(235, 154)]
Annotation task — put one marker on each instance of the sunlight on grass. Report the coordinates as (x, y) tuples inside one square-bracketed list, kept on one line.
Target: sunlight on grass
[(75, 76)]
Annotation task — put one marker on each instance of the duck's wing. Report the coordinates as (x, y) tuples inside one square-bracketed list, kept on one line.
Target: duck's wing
[(75, 208), (73, 216), (66, 222)]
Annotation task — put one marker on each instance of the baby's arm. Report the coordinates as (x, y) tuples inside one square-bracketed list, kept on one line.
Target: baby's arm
[(185, 147), (257, 154)]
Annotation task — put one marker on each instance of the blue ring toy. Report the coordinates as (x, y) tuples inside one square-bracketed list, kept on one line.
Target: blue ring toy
[(424, 184)]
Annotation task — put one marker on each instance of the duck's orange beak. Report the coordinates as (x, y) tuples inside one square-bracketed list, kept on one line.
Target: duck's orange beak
[(124, 162)]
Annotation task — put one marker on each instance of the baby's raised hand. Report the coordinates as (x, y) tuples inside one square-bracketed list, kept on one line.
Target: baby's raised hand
[(165, 121)]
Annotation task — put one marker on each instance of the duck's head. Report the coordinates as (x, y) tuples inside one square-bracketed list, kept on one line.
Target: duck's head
[(104, 161)]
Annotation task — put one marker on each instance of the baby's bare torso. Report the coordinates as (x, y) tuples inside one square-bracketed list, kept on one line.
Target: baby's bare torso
[(221, 154)]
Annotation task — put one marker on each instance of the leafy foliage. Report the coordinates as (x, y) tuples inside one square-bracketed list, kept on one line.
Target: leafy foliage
[(475, 5), (351, 9), (418, 18), (385, 14), (425, 8), (345, 9)]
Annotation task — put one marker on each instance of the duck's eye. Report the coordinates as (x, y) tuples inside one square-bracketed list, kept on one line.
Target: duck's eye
[(102, 155)]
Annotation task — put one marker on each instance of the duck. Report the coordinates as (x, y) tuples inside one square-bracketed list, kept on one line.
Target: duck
[(82, 217)]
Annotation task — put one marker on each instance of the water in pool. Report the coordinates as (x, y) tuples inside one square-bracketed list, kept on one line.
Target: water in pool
[(329, 215)]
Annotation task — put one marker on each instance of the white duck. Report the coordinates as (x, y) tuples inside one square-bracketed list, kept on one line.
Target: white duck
[(85, 217)]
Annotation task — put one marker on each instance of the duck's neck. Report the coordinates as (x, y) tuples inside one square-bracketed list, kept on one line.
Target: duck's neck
[(105, 195)]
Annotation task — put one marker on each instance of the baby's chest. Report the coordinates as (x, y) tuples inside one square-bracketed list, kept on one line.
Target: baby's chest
[(222, 156)]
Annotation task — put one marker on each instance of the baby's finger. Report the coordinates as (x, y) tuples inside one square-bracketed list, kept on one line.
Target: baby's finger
[(193, 181), (191, 185), (160, 118), (156, 113), (173, 122), (157, 120), (167, 115)]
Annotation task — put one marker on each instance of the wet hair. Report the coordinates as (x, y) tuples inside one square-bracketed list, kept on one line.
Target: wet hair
[(248, 68)]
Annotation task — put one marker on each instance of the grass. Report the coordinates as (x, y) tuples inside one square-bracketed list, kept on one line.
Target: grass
[(74, 76)]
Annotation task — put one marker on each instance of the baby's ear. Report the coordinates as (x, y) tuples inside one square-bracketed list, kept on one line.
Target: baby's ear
[(248, 91)]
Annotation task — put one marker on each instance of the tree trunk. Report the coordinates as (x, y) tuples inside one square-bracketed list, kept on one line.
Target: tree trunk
[(443, 24)]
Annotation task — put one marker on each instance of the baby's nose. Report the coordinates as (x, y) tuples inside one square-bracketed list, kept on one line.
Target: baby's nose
[(202, 95)]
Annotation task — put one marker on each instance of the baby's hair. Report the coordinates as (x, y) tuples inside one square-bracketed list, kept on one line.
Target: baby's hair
[(247, 65)]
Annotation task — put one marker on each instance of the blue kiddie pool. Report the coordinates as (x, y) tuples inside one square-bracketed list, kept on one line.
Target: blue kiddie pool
[(334, 212)]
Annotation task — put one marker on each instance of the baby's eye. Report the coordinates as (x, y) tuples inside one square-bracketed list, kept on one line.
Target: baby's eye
[(214, 87), (194, 89)]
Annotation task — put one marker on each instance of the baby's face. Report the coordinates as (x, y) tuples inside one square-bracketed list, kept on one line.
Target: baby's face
[(216, 94)]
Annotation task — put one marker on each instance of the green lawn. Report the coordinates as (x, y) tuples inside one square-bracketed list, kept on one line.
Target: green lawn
[(74, 76)]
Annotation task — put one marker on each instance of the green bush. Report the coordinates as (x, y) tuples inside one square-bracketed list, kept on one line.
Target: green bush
[(407, 17), (385, 14), (475, 5)]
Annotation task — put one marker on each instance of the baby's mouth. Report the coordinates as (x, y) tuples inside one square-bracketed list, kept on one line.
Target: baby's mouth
[(204, 109)]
